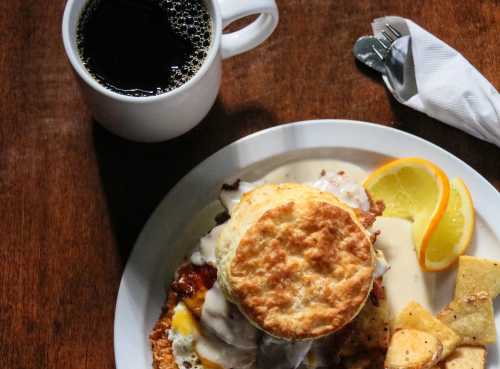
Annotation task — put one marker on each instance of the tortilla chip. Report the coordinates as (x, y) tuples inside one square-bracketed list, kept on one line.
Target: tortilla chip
[(472, 317), (414, 316), (466, 358), (413, 349), (477, 275)]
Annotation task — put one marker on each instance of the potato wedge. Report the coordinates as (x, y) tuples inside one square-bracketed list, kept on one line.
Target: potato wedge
[(472, 317), (466, 357), (413, 349), (475, 275), (414, 316)]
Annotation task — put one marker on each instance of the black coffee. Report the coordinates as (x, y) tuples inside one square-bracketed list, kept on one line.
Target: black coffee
[(143, 47)]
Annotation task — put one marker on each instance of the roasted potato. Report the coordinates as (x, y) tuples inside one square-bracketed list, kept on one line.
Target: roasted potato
[(414, 316), (413, 349)]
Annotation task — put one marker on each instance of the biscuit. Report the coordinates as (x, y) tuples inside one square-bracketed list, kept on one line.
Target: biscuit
[(296, 261), (251, 207)]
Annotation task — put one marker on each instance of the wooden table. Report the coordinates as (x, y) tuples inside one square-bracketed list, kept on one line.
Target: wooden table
[(73, 197)]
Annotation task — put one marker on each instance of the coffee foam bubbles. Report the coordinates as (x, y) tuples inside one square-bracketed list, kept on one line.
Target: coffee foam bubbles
[(191, 21)]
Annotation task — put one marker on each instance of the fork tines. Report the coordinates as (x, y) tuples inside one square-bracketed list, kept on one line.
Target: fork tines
[(386, 41)]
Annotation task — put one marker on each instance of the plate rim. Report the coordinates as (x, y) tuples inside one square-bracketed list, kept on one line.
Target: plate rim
[(307, 125)]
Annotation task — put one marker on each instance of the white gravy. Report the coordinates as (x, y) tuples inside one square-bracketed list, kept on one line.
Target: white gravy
[(306, 171), (226, 321), (404, 281)]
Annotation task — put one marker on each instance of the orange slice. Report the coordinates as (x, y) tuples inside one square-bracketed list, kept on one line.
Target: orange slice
[(454, 232), (414, 189)]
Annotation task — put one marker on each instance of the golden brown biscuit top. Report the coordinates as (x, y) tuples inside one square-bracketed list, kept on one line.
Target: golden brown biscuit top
[(303, 270)]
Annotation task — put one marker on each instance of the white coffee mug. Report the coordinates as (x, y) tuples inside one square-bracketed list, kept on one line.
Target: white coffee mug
[(160, 117)]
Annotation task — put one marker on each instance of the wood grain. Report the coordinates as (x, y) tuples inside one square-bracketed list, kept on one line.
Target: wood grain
[(73, 197)]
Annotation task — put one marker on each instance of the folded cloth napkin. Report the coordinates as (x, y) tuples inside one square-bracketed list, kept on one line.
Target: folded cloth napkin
[(449, 88)]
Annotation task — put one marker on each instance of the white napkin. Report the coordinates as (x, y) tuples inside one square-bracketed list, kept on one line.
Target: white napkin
[(449, 88)]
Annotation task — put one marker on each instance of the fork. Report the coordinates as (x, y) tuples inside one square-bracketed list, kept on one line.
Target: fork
[(372, 51), (390, 54)]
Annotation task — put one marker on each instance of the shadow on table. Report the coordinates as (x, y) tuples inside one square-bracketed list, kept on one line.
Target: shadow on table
[(475, 152), (136, 176)]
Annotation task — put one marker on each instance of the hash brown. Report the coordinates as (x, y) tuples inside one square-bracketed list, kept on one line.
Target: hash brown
[(161, 346), (372, 325)]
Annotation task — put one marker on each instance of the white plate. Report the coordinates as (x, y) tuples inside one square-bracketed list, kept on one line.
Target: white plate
[(158, 251)]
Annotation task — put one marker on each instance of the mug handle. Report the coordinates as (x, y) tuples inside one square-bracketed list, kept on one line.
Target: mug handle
[(252, 35)]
